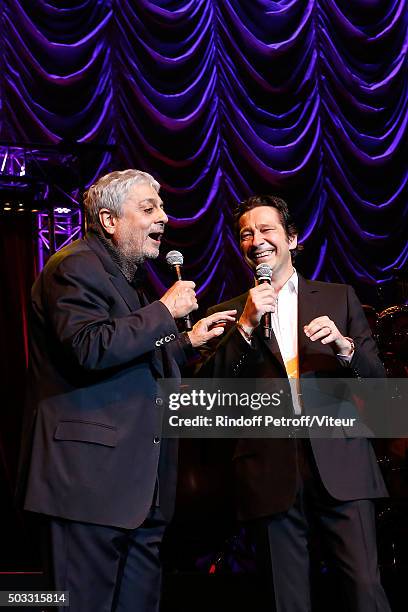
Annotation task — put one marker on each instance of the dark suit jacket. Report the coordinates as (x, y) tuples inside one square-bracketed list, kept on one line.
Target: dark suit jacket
[(91, 439), (265, 469)]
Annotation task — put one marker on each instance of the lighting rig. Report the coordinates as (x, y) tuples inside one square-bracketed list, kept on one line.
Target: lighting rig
[(45, 181)]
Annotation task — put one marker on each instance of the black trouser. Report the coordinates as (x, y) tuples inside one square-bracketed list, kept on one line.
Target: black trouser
[(107, 569), (347, 530)]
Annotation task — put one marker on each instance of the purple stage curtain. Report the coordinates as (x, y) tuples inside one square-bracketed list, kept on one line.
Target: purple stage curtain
[(220, 99)]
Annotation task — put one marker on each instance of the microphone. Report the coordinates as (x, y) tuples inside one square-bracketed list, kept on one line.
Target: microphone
[(175, 260), (263, 274)]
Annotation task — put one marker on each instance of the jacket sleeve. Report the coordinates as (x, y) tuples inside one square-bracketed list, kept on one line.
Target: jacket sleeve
[(183, 351), (227, 357), (78, 303), (365, 362)]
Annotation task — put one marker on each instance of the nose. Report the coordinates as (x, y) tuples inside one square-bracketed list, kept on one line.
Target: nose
[(257, 239), (163, 218)]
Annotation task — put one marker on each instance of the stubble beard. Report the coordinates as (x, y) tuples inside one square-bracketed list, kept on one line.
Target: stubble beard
[(132, 252)]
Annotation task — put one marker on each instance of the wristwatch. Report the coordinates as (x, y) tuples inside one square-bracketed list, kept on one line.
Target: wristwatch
[(352, 346)]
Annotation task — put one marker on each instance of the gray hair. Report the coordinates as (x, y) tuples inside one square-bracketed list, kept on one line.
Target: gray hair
[(111, 190)]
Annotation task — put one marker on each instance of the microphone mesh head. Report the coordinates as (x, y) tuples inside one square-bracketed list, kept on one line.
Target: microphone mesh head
[(263, 271), (174, 258)]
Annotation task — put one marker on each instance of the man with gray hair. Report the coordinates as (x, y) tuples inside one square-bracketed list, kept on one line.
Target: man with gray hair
[(93, 462)]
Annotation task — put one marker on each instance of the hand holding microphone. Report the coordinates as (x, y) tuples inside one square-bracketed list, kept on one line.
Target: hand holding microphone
[(260, 303), (263, 274), (180, 299)]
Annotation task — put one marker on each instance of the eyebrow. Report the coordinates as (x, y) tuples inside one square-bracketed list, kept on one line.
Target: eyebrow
[(150, 201)]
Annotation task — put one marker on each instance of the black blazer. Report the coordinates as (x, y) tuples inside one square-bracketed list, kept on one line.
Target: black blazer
[(265, 469), (92, 431)]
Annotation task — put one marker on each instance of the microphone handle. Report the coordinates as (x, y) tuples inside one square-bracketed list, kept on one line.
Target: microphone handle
[(188, 326), (267, 325), (266, 321)]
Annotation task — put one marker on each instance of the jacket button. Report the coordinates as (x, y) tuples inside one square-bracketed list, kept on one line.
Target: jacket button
[(159, 401), (156, 440)]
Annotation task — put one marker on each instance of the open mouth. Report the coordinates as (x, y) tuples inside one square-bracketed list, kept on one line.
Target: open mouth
[(156, 236), (263, 255)]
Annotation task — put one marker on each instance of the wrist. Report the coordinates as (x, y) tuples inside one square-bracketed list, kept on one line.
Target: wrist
[(346, 348), (169, 308), (189, 338), (246, 332), (246, 325)]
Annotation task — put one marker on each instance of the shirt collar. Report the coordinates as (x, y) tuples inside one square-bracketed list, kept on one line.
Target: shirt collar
[(292, 284)]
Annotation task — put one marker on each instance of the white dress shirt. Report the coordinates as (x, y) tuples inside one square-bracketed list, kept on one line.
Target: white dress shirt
[(284, 323), (285, 327)]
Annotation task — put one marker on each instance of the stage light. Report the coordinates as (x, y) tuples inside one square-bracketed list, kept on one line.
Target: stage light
[(12, 161)]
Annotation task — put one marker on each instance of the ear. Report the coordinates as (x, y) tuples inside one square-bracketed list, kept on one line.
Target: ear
[(293, 242), (107, 220)]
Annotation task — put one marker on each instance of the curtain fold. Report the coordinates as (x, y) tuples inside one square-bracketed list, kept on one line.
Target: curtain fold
[(220, 99)]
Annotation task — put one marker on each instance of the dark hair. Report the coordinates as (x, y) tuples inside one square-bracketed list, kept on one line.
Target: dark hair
[(274, 202)]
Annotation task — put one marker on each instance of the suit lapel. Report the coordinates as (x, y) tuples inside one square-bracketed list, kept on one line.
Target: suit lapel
[(131, 297), (272, 346), (240, 304), (125, 289), (128, 293), (308, 309)]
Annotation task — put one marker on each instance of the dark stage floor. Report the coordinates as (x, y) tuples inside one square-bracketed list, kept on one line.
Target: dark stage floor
[(195, 592)]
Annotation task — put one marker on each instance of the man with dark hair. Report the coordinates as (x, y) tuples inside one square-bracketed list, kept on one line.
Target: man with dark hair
[(93, 460), (286, 485)]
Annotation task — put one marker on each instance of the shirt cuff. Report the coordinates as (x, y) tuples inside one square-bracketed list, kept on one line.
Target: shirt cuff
[(345, 359), (191, 353)]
